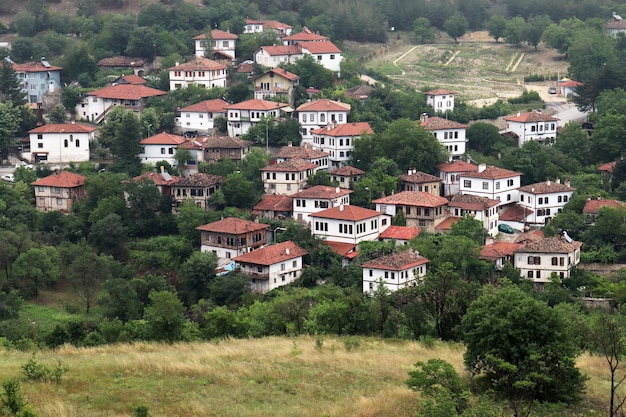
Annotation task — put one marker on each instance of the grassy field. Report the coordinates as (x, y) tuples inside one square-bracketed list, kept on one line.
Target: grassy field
[(265, 377)]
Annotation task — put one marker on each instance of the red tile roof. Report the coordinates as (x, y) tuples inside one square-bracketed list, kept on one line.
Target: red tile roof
[(223, 142), (439, 123), (199, 64), (592, 206), (156, 178), (299, 152), (217, 34), (305, 36), (322, 191), (63, 179), (163, 139), (34, 67), (347, 129), (472, 202), (492, 172), (270, 255), (515, 213), (439, 92), (346, 212), (530, 236), (419, 177), (530, 117), (347, 250), (346, 171), (290, 165), (121, 61), (63, 128), (275, 202), (397, 261), (280, 50), (324, 105), (498, 250), (447, 223), (281, 73), (256, 104), (608, 167), (550, 245), (200, 180), (133, 79), (400, 233), (413, 198), (207, 106), (268, 24), (320, 47), (546, 187), (457, 166), (570, 83), (233, 226), (126, 92)]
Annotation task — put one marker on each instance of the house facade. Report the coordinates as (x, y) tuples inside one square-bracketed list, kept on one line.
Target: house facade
[(276, 82), (59, 191), (258, 26), (450, 173), (420, 209), (544, 200), (441, 100), (492, 182), (449, 133), (231, 237), (242, 116), (61, 143), (272, 266), (202, 72), (218, 148), (348, 224), (273, 56), (482, 209), (346, 175), (338, 140), (538, 260), (402, 235), (222, 44), (394, 271), (318, 198), (288, 177), (160, 147), (325, 53), (313, 156), (37, 79), (200, 117), (532, 126), (316, 114), (415, 180), (274, 206), (499, 252), (197, 187)]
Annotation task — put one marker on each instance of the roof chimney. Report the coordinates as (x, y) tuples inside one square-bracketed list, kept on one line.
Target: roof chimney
[(424, 117), (337, 190), (548, 181), (566, 182), (290, 144), (287, 251), (482, 167), (327, 103), (557, 180), (341, 207)]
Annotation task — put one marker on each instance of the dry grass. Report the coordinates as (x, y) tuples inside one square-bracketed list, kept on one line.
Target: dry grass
[(261, 377)]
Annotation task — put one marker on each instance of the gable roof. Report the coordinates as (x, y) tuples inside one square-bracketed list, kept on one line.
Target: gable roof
[(217, 34), (324, 105), (199, 64), (320, 47), (546, 187), (550, 245), (498, 249), (592, 206), (397, 261), (346, 129), (447, 223), (280, 50), (130, 79), (121, 61), (346, 171), (516, 213), (290, 165), (472, 202), (216, 105), (63, 128), (322, 191), (439, 123), (62, 179), (360, 91), (275, 202), (418, 177), (492, 172), (347, 212), (347, 250), (413, 198), (223, 142), (268, 24), (305, 36), (440, 92), (163, 139), (256, 104), (34, 67), (530, 236), (399, 232), (233, 226), (457, 166), (608, 167), (301, 152), (126, 92), (530, 117), (281, 73), (270, 255), (200, 180), (157, 178)]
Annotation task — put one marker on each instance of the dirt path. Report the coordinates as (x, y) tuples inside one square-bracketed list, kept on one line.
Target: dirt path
[(511, 61), (451, 59), (395, 61), (518, 62)]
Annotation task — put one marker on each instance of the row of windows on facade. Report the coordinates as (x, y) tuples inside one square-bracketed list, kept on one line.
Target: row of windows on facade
[(451, 148), (468, 183), (418, 210), (555, 260), (42, 201), (231, 241), (288, 176), (448, 103), (411, 187), (193, 192), (311, 117), (449, 135), (200, 115), (546, 200), (348, 228), (547, 127), (403, 274), (287, 59), (42, 75), (331, 141), (537, 274), (199, 73)]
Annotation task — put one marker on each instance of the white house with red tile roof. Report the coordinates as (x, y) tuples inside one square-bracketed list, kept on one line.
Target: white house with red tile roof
[(482, 209), (400, 234), (272, 266), (415, 180), (305, 36), (160, 147), (615, 25), (420, 209), (59, 191), (232, 237), (346, 175), (37, 78), (394, 271), (96, 104), (441, 100), (449, 133), (325, 53), (222, 45), (242, 116), (277, 82), (274, 206), (272, 56), (61, 143), (202, 72), (288, 177), (200, 117), (349, 224), (492, 182), (538, 260), (532, 126), (567, 87), (450, 173), (316, 157), (318, 198), (258, 26), (545, 200), (197, 188), (499, 252), (338, 140), (316, 114)]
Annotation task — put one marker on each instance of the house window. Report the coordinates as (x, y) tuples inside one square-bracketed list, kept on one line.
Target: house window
[(77, 143), (485, 185), (555, 261), (509, 183), (371, 273), (467, 184), (332, 56), (282, 267), (40, 145), (498, 185), (162, 151), (170, 151), (530, 274), (559, 199), (422, 223), (294, 264), (304, 118), (65, 143)]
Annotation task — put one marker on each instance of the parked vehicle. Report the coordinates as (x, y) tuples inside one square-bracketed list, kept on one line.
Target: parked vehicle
[(25, 165), (552, 90), (505, 228), (8, 178)]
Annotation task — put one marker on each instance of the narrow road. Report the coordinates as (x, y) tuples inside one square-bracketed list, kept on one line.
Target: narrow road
[(395, 61), (451, 58)]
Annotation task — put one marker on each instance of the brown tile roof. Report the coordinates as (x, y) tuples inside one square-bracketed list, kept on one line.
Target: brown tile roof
[(324, 105), (281, 73), (320, 47), (268, 24), (439, 92), (546, 187), (200, 180), (322, 191), (290, 165), (400, 232), (132, 79), (156, 178), (256, 104), (233, 226), (121, 61), (550, 245), (498, 250), (223, 142), (360, 91), (346, 212), (207, 106), (439, 123), (300, 152), (163, 139), (126, 92), (530, 236), (592, 206), (413, 198), (199, 64), (275, 202), (570, 83), (492, 172), (457, 166), (472, 202), (447, 223), (63, 128), (346, 129), (608, 167), (347, 250), (246, 68), (305, 36), (280, 50), (616, 24), (397, 261), (346, 171), (270, 255), (63, 179), (530, 117), (217, 34), (515, 213), (419, 177), (34, 67)]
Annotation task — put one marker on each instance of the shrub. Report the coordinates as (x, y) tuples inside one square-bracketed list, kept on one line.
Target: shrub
[(35, 371), (12, 399)]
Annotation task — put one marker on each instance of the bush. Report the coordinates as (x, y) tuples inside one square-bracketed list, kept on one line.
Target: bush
[(12, 399), (534, 78), (526, 97), (34, 370)]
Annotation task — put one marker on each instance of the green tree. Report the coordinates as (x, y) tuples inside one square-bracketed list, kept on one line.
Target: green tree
[(438, 377), (10, 119), (196, 275), (311, 73), (496, 25), (189, 217), (239, 192), (165, 316), (536, 26), (423, 30), (87, 273), (9, 85), (36, 269), (58, 114), (515, 31), (10, 304), (78, 64), (456, 26), (122, 134), (108, 235)]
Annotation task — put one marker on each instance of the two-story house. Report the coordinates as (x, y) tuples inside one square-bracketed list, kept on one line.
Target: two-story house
[(272, 266), (318, 198), (402, 235), (197, 187), (232, 237), (202, 72), (499, 252), (242, 116), (276, 82), (258, 26), (346, 175), (482, 209), (288, 177), (274, 206), (544, 199), (441, 100), (61, 143), (316, 157), (305, 36), (96, 104), (200, 117), (450, 173), (218, 148), (316, 114), (532, 126), (420, 209), (221, 45), (272, 56), (325, 53), (348, 224), (37, 78), (415, 180), (394, 271), (338, 140), (449, 133), (59, 191), (160, 147), (538, 260), (492, 182)]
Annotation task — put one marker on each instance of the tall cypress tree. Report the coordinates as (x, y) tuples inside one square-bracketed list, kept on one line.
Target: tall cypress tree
[(9, 86)]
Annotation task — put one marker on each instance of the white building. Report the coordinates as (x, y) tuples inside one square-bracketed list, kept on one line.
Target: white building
[(288, 177), (242, 116), (316, 199), (348, 224), (61, 143), (325, 53), (394, 271), (272, 266), (272, 56), (449, 133), (532, 126), (450, 173), (538, 260), (544, 200), (258, 26), (200, 117), (482, 209), (305, 36), (202, 72), (316, 157), (319, 113), (492, 182), (441, 100), (338, 140), (160, 147), (223, 44)]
